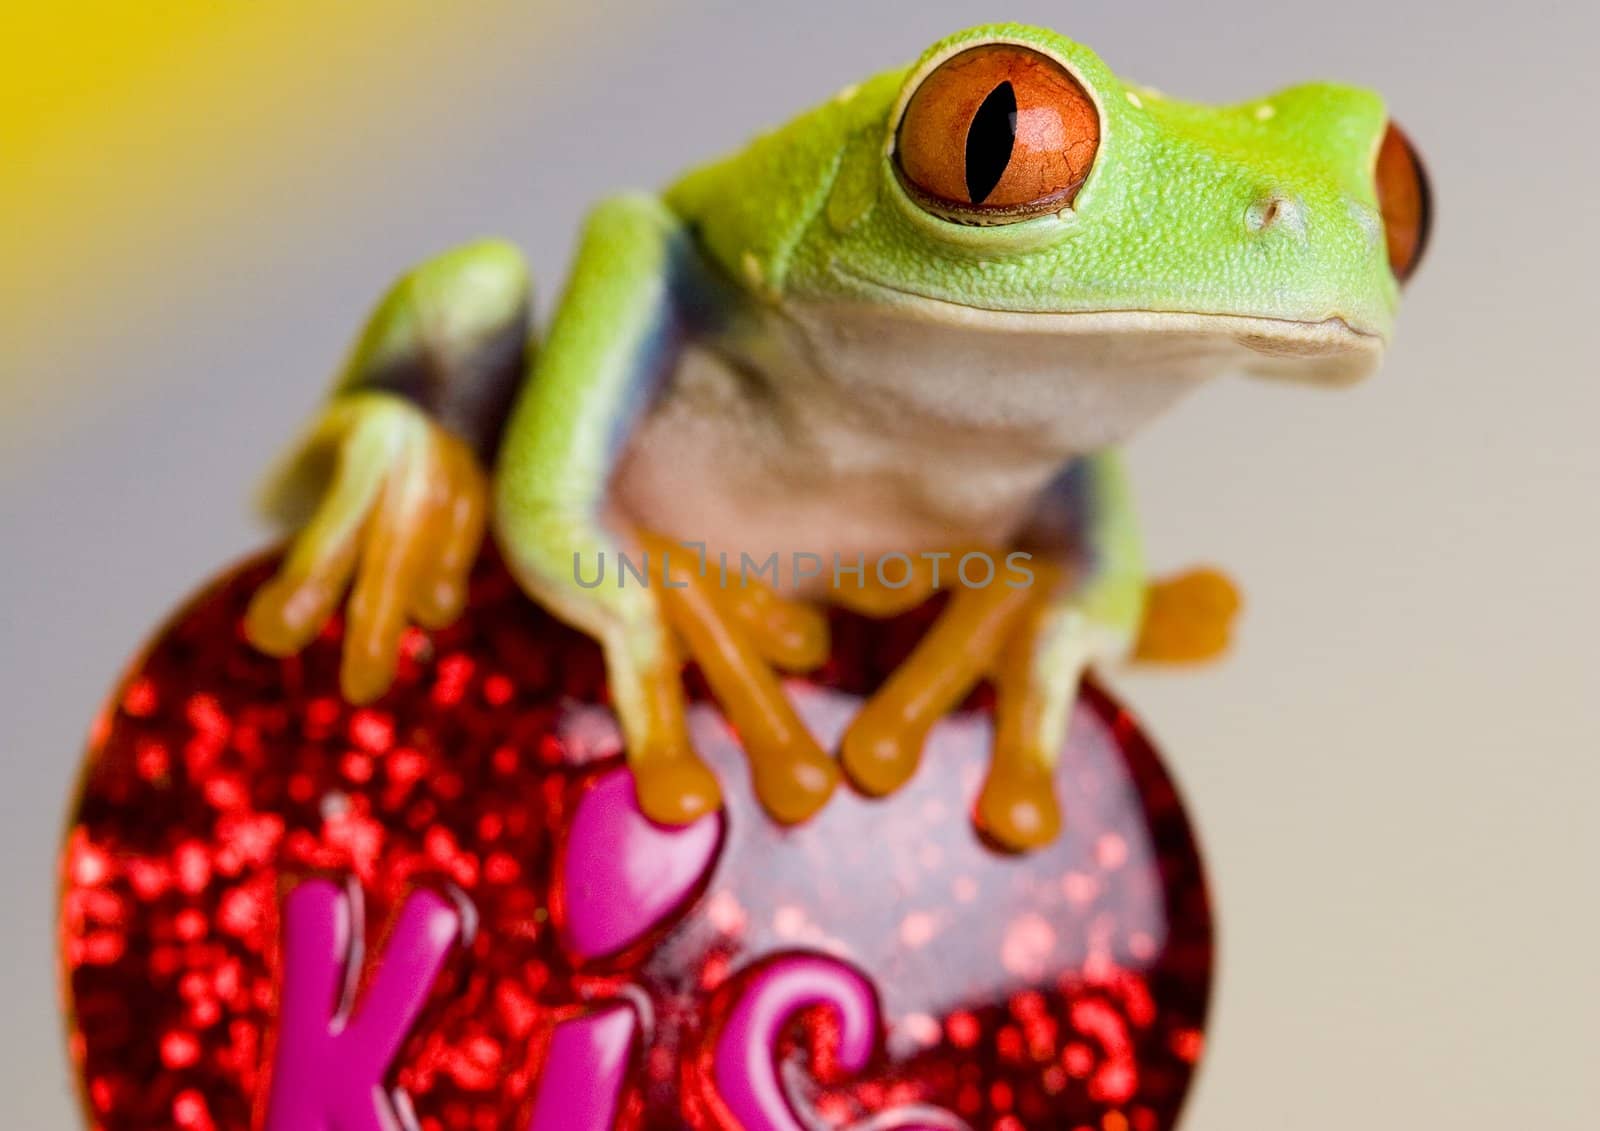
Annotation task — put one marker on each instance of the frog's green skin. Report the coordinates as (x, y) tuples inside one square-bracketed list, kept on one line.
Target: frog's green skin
[(784, 352)]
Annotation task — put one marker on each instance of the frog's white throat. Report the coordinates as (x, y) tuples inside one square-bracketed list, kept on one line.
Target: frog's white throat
[(1073, 382), (848, 429)]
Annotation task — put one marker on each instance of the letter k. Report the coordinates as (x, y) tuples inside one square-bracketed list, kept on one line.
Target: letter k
[(333, 1057)]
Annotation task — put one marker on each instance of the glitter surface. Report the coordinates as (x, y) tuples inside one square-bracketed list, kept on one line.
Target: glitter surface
[(1063, 989)]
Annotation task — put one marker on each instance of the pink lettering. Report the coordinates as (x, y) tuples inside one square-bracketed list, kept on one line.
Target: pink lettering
[(622, 875), (333, 1057), (619, 879), (745, 1074), (585, 1071)]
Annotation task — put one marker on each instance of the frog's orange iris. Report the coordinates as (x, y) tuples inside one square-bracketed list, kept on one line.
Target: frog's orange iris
[(1405, 201), (996, 134)]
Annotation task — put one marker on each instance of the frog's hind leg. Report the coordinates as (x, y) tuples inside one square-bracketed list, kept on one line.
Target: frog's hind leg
[(736, 635)]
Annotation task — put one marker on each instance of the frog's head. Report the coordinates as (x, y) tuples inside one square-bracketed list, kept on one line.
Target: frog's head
[(1010, 179)]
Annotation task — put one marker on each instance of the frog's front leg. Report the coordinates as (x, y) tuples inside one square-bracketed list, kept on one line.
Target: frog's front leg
[(1085, 602), (1090, 611), (636, 292), (737, 635)]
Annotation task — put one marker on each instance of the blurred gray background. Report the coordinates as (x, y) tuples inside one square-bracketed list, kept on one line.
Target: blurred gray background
[(1394, 773)]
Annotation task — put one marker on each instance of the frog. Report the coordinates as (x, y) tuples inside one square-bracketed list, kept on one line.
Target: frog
[(916, 325)]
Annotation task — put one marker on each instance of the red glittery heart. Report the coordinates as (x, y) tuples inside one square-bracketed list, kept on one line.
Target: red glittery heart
[(1062, 989)]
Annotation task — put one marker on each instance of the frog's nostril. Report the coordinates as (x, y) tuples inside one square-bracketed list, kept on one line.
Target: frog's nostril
[(1276, 212)]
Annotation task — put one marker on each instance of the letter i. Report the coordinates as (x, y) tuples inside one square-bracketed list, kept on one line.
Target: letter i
[(580, 1085)]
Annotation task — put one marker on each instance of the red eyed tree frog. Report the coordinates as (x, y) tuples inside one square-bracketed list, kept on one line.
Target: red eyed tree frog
[(910, 326)]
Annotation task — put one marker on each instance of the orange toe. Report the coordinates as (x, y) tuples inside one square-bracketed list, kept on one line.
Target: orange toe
[(1018, 807), (1188, 618), (880, 753), (676, 790), (794, 788)]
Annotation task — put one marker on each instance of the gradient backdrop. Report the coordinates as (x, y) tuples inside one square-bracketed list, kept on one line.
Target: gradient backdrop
[(1394, 773)]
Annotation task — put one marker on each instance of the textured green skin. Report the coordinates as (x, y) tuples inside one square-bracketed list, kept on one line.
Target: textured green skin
[(1158, 225)]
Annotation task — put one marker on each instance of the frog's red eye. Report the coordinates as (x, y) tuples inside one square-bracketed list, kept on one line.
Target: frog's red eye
[(996, 134), (1405, 201)]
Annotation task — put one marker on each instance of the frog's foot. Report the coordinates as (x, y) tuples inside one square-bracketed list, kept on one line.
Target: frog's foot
[(883, 745), (1036, 686), (403, 514), (1188, 618), (789, 634), (736, 635), (673, 785)]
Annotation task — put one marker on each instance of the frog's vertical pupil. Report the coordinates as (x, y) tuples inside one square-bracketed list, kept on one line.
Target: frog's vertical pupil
[(990, 139)]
